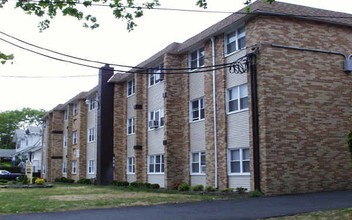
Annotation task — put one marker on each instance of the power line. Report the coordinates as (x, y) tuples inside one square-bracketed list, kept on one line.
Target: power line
[(38, 77)]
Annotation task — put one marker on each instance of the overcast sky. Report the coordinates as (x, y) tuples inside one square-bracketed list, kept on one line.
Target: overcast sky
[(110, 43)]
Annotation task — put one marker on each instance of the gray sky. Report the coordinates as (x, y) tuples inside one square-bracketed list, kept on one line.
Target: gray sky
[(110, 43)]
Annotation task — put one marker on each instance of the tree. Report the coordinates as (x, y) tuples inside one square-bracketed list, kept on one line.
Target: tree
[(17, 119), (127, 10), (349, 141)]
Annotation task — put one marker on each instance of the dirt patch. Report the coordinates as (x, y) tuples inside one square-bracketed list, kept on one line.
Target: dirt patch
[(129, 195)]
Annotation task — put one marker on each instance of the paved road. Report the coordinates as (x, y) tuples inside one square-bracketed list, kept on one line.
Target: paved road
[(251, 208)]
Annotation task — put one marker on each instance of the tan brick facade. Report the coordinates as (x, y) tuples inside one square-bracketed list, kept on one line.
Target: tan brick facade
[(304, 105)]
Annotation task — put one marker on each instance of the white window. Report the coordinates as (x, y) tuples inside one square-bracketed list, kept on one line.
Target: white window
[(75, 109), (237, 98), (91, 167), (156, 119), (64, 168), (156, 75), (156, 163), (65, 115), (235, 40), (196, 59), (197, 109), (91, 105), (91, 135), (131, 87), (74, 137), (198, 163), (130, 126), (130, 165), (65, 141), (239, 161), (43, 168), (74, 167)]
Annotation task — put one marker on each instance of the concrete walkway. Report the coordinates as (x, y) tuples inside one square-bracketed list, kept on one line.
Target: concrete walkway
[(251, 208)]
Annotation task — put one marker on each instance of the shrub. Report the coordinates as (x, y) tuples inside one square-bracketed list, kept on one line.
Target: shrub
[(141, 185), (255, 193), (226, 190), (154, 186), (11, 182), (11, 169), (197, 188), (3, 181), (183, 187), (176, 185), (210, 189), (23, 179), (84, 181), (39, 181), (241, 190), (120, 183), (34, 179), (134, 184), (64, 180)]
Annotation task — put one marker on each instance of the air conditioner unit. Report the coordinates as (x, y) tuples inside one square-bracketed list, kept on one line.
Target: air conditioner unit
[(153, 124)]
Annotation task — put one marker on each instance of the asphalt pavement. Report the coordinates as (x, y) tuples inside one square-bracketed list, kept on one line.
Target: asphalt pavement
[(249, 208)]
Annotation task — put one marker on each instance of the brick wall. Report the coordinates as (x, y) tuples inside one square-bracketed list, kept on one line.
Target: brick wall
[(69, 140), (305, 106), (82, 164), (176, 129)]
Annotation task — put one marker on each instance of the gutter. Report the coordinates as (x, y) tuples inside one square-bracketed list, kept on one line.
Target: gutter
[(214, 114)]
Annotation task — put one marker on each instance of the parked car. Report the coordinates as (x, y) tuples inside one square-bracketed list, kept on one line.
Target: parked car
[(4, 174)]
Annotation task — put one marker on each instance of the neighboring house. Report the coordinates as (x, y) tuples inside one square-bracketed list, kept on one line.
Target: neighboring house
[(28, 146), (6, 154), (69, 144), (275, 120)]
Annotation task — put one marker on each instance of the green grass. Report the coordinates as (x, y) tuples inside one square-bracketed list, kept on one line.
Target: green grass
[(70, 197), (336, 214), (5, 164)]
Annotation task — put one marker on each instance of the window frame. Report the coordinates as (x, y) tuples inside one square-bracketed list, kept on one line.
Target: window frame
[(131, 123), (75, 108), (191, 119), (161, 118), (131, 87), (66, 115), (64, 167), (154, 75), (237, 36), (91, 167), (91, 135), (197, 59), (74, 138), (131, 165), (91, 105), (200, 154), (241, 160), (238, 98), (161, 164), (74, 167), (65, 141)]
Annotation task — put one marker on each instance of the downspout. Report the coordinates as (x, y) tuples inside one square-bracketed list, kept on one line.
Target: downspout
[(214, 113)]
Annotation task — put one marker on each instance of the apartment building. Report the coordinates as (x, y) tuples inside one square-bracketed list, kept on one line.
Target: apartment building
[(260, 101), (69, 138)]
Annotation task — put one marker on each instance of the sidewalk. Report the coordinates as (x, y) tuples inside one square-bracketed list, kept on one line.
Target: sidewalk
[(251, 208)]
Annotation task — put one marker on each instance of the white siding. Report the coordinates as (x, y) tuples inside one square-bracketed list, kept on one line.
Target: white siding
[(232, 78), (130, 143), (197, 136), (92, 146), (238, 129), (131, 178), (240, 181), (156, 178), (130, 106), (155, 141), (155, 96), (196, 85), (198, 180)]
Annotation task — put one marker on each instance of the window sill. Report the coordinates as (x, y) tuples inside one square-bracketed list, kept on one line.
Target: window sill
[(198, 174), (239, 174), (197, 121), (90, 142), (196, 69), (234, 52), (130, 134), (131, 95), (90, 173), (149, 86), (130, 173), (155, 173), (239, 111), (154, 129)]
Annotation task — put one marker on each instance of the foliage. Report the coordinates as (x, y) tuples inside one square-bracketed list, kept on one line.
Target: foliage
[(84, 181), (210, 189), (17, 119), (241, 190), (23, 179), (39, 181), (154, 186), (349, 141), (120, 183), (255, 193), (183, 187), (64, 180), (34, 179), (197, 188), (226, 190), (3, 181), (4, 57)]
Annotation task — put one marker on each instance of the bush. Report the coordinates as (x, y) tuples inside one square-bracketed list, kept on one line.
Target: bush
[(227, 190), (183, 187), (23, 179), (64, 180), (197, 188), (34, 179), (134, 184), (11, 169), (255, 193), (241, 190), (84, 181), (210, 189), (120, 183), (39, 181), (176, 185), (154, 186), (3, 181), (141, 185)]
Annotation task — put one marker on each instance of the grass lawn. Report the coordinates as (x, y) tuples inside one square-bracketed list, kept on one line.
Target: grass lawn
[(336, 214), (70, 197)]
